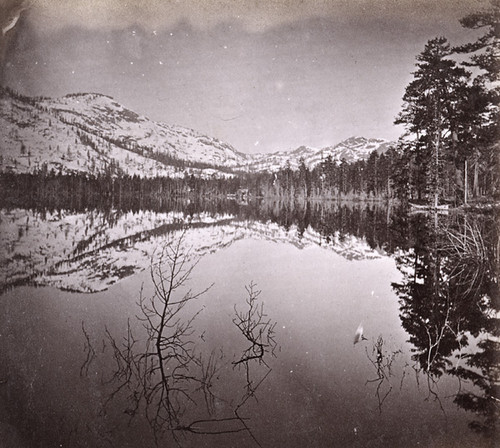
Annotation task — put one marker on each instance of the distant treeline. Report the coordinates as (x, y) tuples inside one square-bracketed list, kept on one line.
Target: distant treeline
[(369, 179), (380, 177), (330, 180), (80, 190)]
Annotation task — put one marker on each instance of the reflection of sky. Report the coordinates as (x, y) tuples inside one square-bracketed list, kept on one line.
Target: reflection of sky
[(262, 78), (316, 393), (318, 300)]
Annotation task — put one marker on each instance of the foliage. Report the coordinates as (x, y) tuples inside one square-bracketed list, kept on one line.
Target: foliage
[(451, 116), (449, 300)]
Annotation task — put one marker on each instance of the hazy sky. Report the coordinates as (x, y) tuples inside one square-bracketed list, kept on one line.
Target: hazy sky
[(263, 75)]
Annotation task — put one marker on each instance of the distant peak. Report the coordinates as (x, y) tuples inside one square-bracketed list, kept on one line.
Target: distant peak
[(87, 95), (303, 148), (355, 139)]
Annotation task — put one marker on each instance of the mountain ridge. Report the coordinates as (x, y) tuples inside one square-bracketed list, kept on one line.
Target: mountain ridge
[(93, 133), (351, 150)]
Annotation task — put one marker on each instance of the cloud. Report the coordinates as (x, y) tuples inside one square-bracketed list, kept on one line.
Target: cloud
[(10, 11), (256, 16)]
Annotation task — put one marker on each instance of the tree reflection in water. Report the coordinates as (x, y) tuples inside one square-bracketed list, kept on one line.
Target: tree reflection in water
[(258, 330), (164, 376), (449, 303), (382, 359), (448, 298)]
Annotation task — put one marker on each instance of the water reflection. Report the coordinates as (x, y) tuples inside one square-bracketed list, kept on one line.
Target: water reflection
[(382, 358), (91, 250), (331, 267), (161, 375), (449, 305)]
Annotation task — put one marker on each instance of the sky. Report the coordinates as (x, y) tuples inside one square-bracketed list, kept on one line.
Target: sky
[(261, 75)]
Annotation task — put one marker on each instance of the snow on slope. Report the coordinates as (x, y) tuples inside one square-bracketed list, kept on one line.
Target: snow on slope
[(32, 138), (350, 150), (91, 251), (276, 160), (103, 116), (90, 133), (93, 133)]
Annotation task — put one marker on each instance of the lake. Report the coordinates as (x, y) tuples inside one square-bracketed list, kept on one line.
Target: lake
[(266, 324)]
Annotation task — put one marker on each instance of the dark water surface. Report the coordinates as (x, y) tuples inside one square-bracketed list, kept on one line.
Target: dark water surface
[(94, 354)]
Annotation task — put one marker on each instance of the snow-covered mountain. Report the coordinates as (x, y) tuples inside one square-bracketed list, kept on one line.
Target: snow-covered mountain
[(93, 133), (350, 150)]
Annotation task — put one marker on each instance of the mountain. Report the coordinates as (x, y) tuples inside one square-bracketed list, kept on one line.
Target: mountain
[(350, 150), (93, 133)]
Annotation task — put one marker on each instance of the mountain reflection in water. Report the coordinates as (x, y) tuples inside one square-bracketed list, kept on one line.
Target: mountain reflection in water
[(88, 251), (268, 372)]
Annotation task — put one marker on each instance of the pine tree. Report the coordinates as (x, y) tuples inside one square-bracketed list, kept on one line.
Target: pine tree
[(371, 173), (430, 110), (485, 51), (304, 178), (483, 113)]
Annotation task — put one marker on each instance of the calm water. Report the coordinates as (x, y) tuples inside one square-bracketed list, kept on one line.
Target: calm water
[(265, 356)]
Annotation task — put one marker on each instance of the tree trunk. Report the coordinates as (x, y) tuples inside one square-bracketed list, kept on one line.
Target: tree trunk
[(466, 184), (436, 172), (475, 185)]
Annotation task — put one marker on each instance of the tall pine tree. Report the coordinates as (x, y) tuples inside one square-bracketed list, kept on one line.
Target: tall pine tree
[(430, 110), (481, 136)]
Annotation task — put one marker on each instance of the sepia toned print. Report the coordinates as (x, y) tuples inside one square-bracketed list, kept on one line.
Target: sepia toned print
[(235, 223)]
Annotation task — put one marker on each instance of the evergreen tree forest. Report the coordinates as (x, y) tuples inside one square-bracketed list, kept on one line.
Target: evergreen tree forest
[(448, 153), (450, 149)]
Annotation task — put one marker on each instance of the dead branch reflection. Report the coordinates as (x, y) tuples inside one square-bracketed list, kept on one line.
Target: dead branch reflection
[(258, 330), (89, 351), (382, 360), (164, 375)]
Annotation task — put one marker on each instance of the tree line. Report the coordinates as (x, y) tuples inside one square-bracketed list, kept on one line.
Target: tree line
[(449, 150), (363, 179)]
